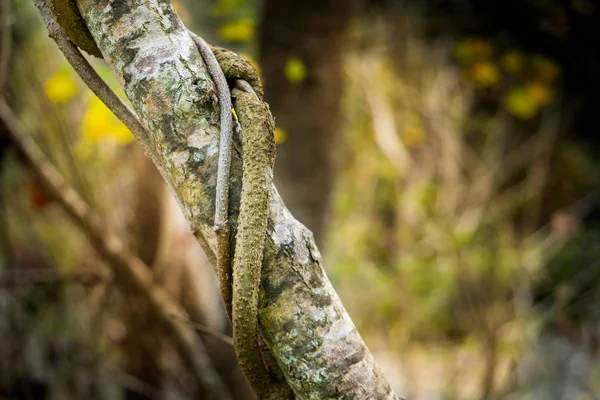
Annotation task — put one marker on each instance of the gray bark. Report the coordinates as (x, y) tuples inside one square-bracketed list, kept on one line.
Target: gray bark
[(301, 317)]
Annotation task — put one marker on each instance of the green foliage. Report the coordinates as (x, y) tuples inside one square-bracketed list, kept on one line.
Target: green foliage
[(440, 198)]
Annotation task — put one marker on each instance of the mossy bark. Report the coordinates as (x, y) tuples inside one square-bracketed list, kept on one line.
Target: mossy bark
[(300, 315), (258, 146)]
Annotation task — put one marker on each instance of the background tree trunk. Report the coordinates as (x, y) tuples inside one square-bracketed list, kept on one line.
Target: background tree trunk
[(308, 111)]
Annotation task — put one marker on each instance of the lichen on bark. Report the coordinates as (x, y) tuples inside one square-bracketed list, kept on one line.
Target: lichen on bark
[(301, 317)]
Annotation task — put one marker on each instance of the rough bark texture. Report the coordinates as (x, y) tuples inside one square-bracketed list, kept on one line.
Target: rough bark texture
[(308, 111), (300, 315)]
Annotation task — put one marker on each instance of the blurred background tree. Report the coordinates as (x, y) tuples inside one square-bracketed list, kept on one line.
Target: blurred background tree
[(444, 154)]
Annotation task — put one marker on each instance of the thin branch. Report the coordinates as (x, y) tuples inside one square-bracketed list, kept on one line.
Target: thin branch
[(128, 269), (207, 331), (125, 114), (96, 84), (91, 78)]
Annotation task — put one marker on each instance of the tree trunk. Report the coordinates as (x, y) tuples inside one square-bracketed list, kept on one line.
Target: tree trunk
[(308, 111), (301, 317)]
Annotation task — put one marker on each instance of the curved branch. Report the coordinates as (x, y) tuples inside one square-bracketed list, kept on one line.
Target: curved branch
[(301, 317)]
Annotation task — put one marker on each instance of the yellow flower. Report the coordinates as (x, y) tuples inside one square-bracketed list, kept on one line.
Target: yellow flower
[(512, 61), (60, 87), (237, 31), (484, 74), (520, 103), (100, 124), (413, 135), (294, 70), (540, 92), (280, 135)]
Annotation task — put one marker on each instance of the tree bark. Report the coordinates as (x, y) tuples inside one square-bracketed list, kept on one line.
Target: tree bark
[(308, 111), (301, 317)]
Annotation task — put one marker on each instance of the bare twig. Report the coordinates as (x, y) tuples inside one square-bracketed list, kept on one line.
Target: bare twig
[(91, 78), (121, 111), (128, 269), (207, 331)]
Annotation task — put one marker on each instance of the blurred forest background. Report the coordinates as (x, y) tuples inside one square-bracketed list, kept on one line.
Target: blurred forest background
[(445, 154)]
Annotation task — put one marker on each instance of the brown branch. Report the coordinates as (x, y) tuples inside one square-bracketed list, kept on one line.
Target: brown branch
[(93, 81), (125, 114), (207, 331), (129, 271), (301, 317)]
